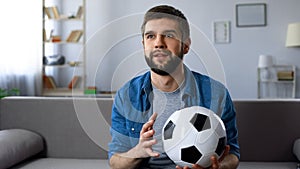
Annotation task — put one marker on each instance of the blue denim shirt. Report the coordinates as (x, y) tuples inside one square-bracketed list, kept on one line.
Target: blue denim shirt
[(132, 108)]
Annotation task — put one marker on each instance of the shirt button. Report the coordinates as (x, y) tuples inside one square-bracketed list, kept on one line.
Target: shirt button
[(132, 129)]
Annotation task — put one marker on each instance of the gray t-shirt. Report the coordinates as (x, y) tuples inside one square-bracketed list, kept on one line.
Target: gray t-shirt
[(164, 104)]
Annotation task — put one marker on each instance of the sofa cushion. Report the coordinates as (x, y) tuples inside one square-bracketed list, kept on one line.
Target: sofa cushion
[(267, 165), (17, 145), (63, 163)]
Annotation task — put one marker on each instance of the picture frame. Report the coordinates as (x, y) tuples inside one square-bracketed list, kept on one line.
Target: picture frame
[(251, 15), (221, 32)]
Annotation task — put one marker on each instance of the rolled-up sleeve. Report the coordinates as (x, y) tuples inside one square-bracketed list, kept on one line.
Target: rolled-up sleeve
[(229, 119)]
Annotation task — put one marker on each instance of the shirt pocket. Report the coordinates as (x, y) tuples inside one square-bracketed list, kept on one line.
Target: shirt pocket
[(134, 128)]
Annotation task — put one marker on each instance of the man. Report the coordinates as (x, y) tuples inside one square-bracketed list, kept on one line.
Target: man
[(142, 105)]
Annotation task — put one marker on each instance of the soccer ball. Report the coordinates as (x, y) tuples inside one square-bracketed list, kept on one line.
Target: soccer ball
[(192, 135)]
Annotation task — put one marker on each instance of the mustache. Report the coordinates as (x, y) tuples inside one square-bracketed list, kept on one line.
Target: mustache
[(160, 52)]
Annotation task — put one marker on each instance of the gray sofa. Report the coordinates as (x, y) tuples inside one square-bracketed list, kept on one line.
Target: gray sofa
[(267, 131), (66, 144)]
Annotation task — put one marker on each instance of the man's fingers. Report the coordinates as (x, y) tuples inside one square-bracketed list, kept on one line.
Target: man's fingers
[(226, 152), (148, 143), (152, 153), (146, 138), (152, 119), (148, 134), (153, 116), (214, 162), (147, 126)]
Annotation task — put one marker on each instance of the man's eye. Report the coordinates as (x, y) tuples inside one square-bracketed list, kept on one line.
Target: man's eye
[(169, 35), (150, 36)]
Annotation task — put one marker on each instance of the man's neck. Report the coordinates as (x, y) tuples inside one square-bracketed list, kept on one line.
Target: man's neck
[(170, 82)]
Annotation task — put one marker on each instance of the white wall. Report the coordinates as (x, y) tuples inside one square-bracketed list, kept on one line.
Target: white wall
[(114, 50)]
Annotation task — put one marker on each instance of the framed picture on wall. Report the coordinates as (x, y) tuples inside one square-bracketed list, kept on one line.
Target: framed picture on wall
[(221, 31), (251, 15)]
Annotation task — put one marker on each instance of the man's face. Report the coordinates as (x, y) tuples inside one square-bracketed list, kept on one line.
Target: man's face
[(162, 45)]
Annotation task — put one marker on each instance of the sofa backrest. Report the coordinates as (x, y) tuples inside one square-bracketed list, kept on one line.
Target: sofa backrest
[(268, 129), (56, 120)]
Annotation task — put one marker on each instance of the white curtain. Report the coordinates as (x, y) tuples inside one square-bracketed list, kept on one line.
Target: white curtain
[(21, 45)]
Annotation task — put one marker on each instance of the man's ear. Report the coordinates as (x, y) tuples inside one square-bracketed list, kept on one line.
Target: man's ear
[(187, 44), (143, 43)]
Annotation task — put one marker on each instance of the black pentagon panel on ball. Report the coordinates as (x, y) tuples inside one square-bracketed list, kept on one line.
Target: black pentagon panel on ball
[(190, 154), (221, 146), (200, 122), (168, 130)]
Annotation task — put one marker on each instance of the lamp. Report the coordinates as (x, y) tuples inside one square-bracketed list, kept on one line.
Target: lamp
[(265, 61), (293, 35)]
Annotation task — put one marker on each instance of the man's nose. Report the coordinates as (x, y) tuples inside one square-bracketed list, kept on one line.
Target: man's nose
[(160, 42)]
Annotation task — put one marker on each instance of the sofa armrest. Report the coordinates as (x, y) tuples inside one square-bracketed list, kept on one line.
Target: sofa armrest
[(17, 145), (296, 148)]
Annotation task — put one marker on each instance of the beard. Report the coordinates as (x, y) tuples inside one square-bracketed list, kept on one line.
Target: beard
[(166, 68)]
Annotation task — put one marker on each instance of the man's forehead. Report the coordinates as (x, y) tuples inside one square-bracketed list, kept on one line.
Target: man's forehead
[(161, 25)]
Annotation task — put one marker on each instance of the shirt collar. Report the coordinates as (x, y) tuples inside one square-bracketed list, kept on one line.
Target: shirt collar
[(190, 90)]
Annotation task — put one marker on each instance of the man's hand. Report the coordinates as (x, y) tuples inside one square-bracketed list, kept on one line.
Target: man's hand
[(144, 148), (132, 158), (215, 163)]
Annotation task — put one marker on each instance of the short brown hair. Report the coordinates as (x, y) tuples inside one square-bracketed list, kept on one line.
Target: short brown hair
[(165, 11)]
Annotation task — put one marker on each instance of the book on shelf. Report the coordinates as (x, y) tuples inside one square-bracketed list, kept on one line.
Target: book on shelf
[(79, 12), (47, 12), (74, 82), (285, 75), (48, 36), (55, 11), (48, 82), (74, 36)]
